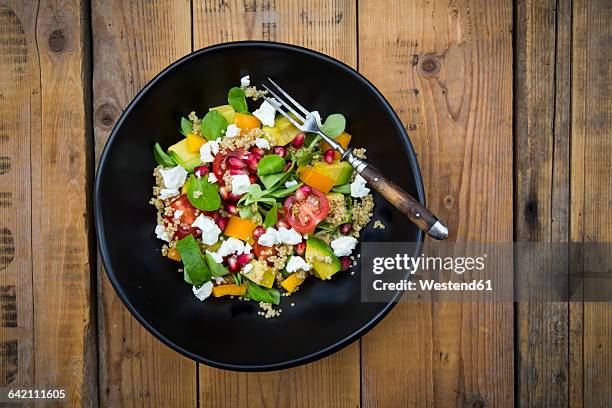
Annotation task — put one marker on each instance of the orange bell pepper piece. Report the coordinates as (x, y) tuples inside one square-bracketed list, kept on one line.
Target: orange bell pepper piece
[(293, 281), (315, 179), (173, 254), (194, 142), (240, 228), (246, 122), (343, 138), (230, 289)]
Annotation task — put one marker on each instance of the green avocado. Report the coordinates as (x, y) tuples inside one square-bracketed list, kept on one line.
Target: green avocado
[(316, 251), (227, 111), (339, 171), (183, 156)]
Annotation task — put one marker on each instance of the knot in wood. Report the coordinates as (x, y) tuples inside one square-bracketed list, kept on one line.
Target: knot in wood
[(57, 40), (106, 115), (475, 402), (430, 65)]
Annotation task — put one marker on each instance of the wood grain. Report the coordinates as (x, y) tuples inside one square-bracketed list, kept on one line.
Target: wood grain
[(19, 124), (133, 41), (64, 324), (542, 89), (448, 73), (324, 26), (591, 192)]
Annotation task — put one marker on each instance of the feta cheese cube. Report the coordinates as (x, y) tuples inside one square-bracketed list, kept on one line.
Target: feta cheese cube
[(240, 184), (265, 113), (168, 192), (174, 178), (262, 143), (203, 291), (268, 238), (344, 245), (297, 263), (210, 230), (208, 151), (289, 236), (291, 183), (212, 178), (161, 233), (231, 246), (245, 81), (232, 131), (358, 187)]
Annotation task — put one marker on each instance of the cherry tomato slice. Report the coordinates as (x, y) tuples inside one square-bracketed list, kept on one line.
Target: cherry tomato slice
[(220, 165), (306, 214), (263, 252), (182, 203)]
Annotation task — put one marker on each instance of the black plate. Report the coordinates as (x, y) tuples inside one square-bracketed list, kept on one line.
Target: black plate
[(228, 333)]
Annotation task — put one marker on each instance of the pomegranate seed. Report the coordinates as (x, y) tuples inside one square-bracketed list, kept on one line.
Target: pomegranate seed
[(201, 171), (231, 208), (300, 248), (236, 172), (244, 259), (252, 178), (283, 223), (251, 161), (345, 262), (287, 166), (197, 233), (258, 232), (280, 150), (236, 163), (232, 263), (258, 152), (223, 193), (298, 140), (329, 156), (222, 222), (302, 193), (345, 228)]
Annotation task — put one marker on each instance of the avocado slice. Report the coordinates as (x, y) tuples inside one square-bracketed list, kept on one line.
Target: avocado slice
[(261, 274), (339, 171), (227, 111), (283, 131), (183, 156), (315, 251)]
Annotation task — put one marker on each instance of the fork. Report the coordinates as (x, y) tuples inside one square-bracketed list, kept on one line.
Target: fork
[(310, 122)]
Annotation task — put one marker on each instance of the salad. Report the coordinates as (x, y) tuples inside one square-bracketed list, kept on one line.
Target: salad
[(251, 207)]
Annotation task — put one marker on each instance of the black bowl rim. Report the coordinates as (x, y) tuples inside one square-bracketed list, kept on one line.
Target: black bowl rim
[(102, 243)]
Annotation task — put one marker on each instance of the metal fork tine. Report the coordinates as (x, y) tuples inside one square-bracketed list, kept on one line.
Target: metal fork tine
[(284, 113), (282, 91), (284, 103)]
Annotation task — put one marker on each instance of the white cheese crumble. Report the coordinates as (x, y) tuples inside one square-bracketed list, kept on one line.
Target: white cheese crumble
[(247, 268), (161, 233), (203, 291), (262, 143), (208, 151), (218, 258), (268, 238), (174, 178), (291, 183), (297, 263), (168, 192), (178, 214), (289, 236), (212, 178), (247, 249), (343, 245), (265, 113), (232, 131), (210, 230), (358, 187), (245, 81), (219, 280), (240, 184), (231, 246)]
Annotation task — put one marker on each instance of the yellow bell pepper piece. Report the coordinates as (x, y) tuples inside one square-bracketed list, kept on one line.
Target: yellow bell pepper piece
[(194, 142), (173, 254), (240, 228), (293, 281), (229, 290), (246, 122)]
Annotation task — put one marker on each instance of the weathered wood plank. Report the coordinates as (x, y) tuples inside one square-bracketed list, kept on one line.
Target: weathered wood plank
[(325, 27), (19, 124), (447, 70), (542, 92), (591, 191), (64, 329), (133, 41)]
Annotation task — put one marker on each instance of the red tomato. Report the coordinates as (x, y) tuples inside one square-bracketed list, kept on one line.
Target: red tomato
[(306, 214), (263, 252), (182, 203), (220, 165)]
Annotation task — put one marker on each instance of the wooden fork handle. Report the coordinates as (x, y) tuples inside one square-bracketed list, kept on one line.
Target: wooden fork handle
[(417, 213)]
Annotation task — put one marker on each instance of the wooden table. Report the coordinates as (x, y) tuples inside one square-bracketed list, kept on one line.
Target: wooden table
[(508, 107)]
